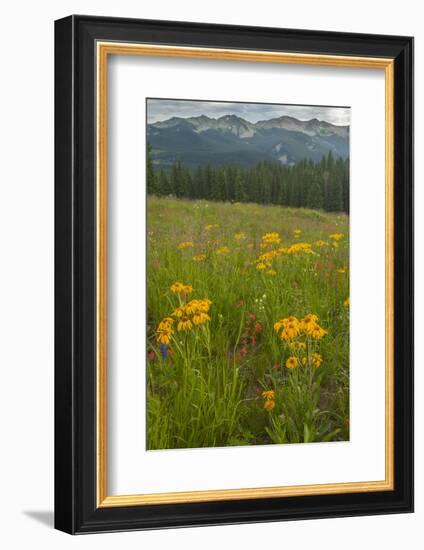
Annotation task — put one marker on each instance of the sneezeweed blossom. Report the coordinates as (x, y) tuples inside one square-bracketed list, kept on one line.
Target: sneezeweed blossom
[(320, 243), (269, 239), (290, 328), (341, 270), (296, 233), (296, 248), (239, 236), (316, 359), (193, 313), (346, 303), (185, 244), (199, 258), (269, 399), (165, 331), (223, 250), (336, 236), (292, 362), (181, 288), (211, 226)]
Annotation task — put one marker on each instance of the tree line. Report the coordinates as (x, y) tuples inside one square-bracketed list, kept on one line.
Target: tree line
[(318, 185)]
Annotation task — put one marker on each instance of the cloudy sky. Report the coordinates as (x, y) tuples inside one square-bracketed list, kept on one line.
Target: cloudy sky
[(162, 109)]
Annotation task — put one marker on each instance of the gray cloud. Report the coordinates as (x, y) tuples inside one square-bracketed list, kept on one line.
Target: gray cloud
[(162, 109)]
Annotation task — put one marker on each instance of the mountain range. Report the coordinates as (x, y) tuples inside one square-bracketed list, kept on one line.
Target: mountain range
[(231, 139)]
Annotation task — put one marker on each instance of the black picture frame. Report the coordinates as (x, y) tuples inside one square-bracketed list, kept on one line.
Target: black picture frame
[(76, 510)]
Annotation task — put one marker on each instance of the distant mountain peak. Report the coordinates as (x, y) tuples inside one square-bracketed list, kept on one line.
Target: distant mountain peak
[(231, 139)]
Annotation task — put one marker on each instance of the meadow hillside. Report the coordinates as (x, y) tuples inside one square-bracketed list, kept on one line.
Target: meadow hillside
[(248, 324)]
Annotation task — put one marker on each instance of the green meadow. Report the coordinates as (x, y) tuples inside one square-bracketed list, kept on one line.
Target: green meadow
[(248, 324)]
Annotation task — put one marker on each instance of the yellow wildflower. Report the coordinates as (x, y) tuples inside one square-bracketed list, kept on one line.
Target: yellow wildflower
[(269, 404), (268, 394), (181, 288), (200, 318), (309, 323), (321, 243), (270, 238), (184, 324), (239, 236), (199, 258), (341, 270), (296, 248), (271, 272), (211, 226), (336, 236), (185, 244), (297, 232), (346, 303), (292, 362), (165, 331), (291, 331), (318, 332), (223, 250), (316, 359)]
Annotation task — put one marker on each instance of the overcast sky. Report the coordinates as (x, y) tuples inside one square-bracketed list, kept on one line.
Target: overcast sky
[(162, 109)]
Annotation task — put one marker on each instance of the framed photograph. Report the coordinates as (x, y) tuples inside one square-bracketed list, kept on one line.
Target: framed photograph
[(234, 269)]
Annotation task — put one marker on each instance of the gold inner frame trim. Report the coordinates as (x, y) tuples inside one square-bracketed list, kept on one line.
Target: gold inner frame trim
[(103, 50)]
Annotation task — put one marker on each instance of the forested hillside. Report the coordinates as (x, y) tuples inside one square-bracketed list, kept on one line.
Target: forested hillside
[(319, 185)]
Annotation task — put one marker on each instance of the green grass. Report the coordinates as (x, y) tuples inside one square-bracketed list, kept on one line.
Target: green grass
[(207, 390)]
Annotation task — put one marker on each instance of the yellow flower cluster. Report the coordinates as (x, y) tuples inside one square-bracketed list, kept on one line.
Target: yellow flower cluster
[(293, 362), (193, 313), (336, 236), (297, 232), (181, 288), (316, 359), (223, 250), (299, 247), (264, 261), (199, 258), (270, 238), (290, 328), (320, 243), (185, 244), (269, 399), (239, 236), (186, 316), (211, 226)]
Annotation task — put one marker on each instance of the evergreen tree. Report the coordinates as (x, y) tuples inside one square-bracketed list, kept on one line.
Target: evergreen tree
[(151, 174), (334, 196), (314, 198), (163, 185)]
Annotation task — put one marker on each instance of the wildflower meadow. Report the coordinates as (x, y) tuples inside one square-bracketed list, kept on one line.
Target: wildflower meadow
[(248, 324)]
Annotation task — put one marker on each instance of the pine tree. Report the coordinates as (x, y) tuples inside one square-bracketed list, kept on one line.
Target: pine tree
[(334, 196), (151, 174), (239, 194), (315, 197), (163, 185)]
